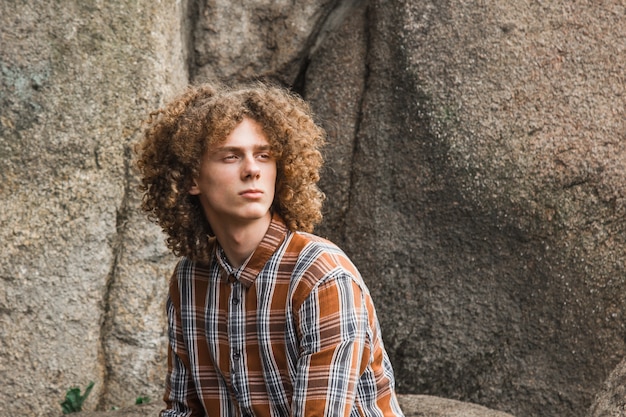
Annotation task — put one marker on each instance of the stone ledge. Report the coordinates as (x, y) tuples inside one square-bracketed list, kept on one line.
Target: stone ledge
[(412, 405), (430, 406)]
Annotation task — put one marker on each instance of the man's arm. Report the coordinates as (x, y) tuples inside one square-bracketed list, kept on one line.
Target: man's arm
[(180, 394), (332, 324)]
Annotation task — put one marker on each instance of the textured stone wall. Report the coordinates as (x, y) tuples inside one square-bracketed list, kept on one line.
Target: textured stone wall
[(412, 405), (486, 187), (81, 275), (475, 174)]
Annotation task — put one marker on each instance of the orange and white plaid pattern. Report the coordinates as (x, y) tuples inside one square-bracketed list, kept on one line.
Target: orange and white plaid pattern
[(293, 332)]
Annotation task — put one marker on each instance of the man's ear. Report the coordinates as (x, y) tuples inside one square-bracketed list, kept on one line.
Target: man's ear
[(194, 189)]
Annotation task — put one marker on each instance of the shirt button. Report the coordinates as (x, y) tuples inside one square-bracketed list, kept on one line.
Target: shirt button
[(235, 301), (236, 356)]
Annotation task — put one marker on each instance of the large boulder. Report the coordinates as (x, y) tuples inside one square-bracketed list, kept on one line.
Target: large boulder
[(484, 192), (259, 38), (611, 400), (429, 406), (475, 174), (412, 406), (76, 79)]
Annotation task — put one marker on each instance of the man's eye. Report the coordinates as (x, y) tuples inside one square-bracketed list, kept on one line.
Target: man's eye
[(230, 157), (265, 156)]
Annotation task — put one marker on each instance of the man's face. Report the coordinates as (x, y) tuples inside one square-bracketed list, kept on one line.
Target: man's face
[(237, 178)]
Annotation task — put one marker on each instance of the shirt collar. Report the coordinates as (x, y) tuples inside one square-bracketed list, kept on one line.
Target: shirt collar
[(250, 270)]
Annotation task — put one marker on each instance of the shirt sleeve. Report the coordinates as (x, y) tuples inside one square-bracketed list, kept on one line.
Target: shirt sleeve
[(180, 394), (332, 324)]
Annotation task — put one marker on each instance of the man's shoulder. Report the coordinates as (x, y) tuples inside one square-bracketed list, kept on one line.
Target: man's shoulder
[(312, 238), (186, 270), (318, 262), (308, 243), (319, 256)]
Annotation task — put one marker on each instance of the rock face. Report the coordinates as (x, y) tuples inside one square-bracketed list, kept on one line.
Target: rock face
[(611, 400), (412, 405), (475, 174), (486, 163), (427, 406), (78, 288), (260, 38)]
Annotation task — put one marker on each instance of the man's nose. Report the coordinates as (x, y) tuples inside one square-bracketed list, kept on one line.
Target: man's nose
[(251, 168)]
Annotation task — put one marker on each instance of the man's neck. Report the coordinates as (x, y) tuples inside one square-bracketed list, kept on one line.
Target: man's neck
[(240, 241)]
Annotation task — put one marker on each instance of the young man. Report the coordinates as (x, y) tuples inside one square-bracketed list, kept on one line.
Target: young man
[(265, 319)]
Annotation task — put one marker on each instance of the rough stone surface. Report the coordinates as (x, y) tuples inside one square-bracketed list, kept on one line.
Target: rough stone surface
[(337, 100), (429, 406), (611, 400), (486, 192), (412, 406), (261, 38), (76, 78), (144, 410), (475, 174), (134, 333)]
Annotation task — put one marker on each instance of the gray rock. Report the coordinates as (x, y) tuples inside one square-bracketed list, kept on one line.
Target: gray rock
[(611, 400), (429, 406), (475, 174), (486, 192), (76, 79), (337, 101), (144, 410), (412, 406), (259, 38)]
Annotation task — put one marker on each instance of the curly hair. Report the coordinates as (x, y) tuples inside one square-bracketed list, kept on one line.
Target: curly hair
[(178, 136)]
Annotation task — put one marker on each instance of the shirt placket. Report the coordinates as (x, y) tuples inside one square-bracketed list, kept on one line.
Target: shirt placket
[(236, 340)]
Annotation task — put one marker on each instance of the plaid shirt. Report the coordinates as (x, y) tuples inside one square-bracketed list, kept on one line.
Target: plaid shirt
[(293, 332)]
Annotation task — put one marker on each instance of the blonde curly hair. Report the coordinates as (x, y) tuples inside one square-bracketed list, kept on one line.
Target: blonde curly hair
[(177, 136)]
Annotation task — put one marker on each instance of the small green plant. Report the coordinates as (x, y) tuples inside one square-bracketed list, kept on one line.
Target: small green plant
[(73, 400), (142, 400)]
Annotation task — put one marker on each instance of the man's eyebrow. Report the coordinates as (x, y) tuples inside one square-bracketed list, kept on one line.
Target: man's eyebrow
[(238, 148)]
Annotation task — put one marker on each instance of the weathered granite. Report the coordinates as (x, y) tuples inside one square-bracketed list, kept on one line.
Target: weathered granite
[(76, 79), (259, 38), (475, 174), (486, 191), (611, 400), (412, 406)]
